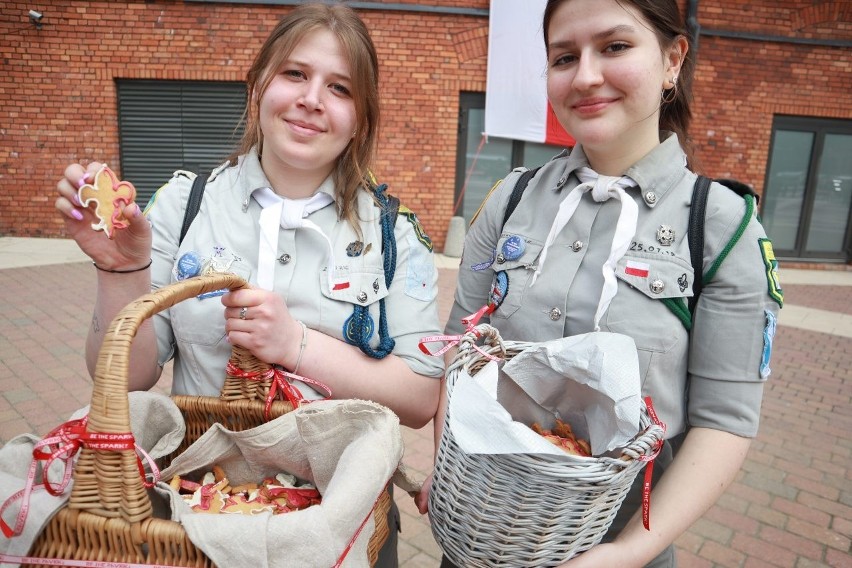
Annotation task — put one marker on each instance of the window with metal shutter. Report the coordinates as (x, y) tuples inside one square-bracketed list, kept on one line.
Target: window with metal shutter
[(172, 125)]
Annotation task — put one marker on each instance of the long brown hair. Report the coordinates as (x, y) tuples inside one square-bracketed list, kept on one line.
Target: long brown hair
[(665, 21), (353, 165)]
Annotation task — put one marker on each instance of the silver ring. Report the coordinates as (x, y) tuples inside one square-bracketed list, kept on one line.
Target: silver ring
[(243, 312)]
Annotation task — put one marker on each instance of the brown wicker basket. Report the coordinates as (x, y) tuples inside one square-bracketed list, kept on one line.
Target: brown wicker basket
[(108, 516)]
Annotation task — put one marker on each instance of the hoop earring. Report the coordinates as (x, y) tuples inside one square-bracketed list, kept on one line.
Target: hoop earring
[(669, 95)]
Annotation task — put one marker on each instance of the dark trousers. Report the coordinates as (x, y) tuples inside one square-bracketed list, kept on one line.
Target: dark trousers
[(388, 555)]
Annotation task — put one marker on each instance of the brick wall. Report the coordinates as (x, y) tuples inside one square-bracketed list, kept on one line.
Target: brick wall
[(58, 98), (741, 84)]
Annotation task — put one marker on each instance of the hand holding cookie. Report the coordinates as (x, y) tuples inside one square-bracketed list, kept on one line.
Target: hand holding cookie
[(91, 197), (109, 196)]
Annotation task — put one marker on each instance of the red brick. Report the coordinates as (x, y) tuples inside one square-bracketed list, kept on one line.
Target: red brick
[(722, 556), (818, 534), (785, 539), (838, 559), (758, 549), (794, 509), (689, 560)]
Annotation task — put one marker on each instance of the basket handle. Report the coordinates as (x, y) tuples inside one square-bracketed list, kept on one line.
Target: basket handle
[(107, 482), (469, 353)]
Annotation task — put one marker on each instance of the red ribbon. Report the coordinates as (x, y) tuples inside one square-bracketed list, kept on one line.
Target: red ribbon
[(360, 528), (453, 340), (649, 469), (63, 443), (10, 559), (279, 382)]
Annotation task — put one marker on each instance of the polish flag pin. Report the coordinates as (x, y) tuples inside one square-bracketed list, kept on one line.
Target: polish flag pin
[(635, 268)]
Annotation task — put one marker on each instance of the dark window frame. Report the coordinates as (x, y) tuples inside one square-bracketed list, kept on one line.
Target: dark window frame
[(819, 127)]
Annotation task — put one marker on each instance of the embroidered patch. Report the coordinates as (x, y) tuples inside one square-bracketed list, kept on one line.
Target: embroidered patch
[(768, 336), (487, 264), (499, 289), (349, 328), (419, 273), (217, 264), (418, 228), (770, 263)]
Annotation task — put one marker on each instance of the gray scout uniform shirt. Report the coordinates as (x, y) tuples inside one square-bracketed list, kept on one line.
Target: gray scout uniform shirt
[(712, 376), (224, 236)]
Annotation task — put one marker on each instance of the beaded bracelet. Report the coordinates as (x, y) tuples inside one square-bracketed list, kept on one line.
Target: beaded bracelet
[(123, 271), (301, 346)]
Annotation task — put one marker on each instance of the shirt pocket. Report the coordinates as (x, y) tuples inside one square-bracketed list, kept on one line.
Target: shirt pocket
[(199, 321), (518, 271), (361, 286), (640, 309)]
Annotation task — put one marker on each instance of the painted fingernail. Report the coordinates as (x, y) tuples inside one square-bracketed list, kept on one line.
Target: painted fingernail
[(84, 180), (76, 200), (138, 210), (76, 214)]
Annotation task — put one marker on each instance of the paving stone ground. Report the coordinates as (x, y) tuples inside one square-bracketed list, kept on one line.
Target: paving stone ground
[(790, 507)]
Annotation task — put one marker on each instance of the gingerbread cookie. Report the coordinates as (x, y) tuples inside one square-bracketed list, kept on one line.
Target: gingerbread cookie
[(214, 494), (110, 196)]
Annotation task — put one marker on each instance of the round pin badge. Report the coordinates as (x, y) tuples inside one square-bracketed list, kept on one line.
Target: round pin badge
[(188, 265), (513, 248)]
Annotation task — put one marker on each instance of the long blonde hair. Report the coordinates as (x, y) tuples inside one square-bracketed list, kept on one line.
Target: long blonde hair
[(352, 171)]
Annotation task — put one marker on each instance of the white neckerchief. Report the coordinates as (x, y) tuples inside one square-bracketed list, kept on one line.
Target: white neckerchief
[(602, 188), (288, 214)]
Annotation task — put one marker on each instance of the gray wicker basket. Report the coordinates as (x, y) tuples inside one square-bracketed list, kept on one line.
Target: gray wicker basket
[(518, 510)]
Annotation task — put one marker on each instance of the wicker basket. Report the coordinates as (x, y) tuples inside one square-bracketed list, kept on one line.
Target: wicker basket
[(108, 516), (523, 509)]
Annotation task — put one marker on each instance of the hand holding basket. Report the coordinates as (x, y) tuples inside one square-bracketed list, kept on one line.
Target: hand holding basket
[(109, 515)]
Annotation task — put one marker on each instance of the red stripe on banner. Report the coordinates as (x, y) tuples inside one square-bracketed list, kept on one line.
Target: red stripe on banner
[(554, 133)]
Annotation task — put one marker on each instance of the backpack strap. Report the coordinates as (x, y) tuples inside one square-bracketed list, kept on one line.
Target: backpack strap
[(193, 204), (695, 236), (517, 193)]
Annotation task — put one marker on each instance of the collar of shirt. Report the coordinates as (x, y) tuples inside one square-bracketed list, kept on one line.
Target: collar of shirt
[(658, 171), (251, 177)]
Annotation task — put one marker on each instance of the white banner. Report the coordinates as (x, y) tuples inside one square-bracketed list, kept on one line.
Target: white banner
[(516, 105)]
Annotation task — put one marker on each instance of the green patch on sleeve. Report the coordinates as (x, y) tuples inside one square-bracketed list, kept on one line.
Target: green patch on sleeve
[(770, 263), (418, 228)]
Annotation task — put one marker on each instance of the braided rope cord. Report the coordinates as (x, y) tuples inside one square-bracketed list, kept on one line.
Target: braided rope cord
[(734, 240), (361, 313), (677, 305)]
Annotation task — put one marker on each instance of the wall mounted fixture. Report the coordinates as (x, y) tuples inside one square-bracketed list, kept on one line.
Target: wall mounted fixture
[(36, 18)]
